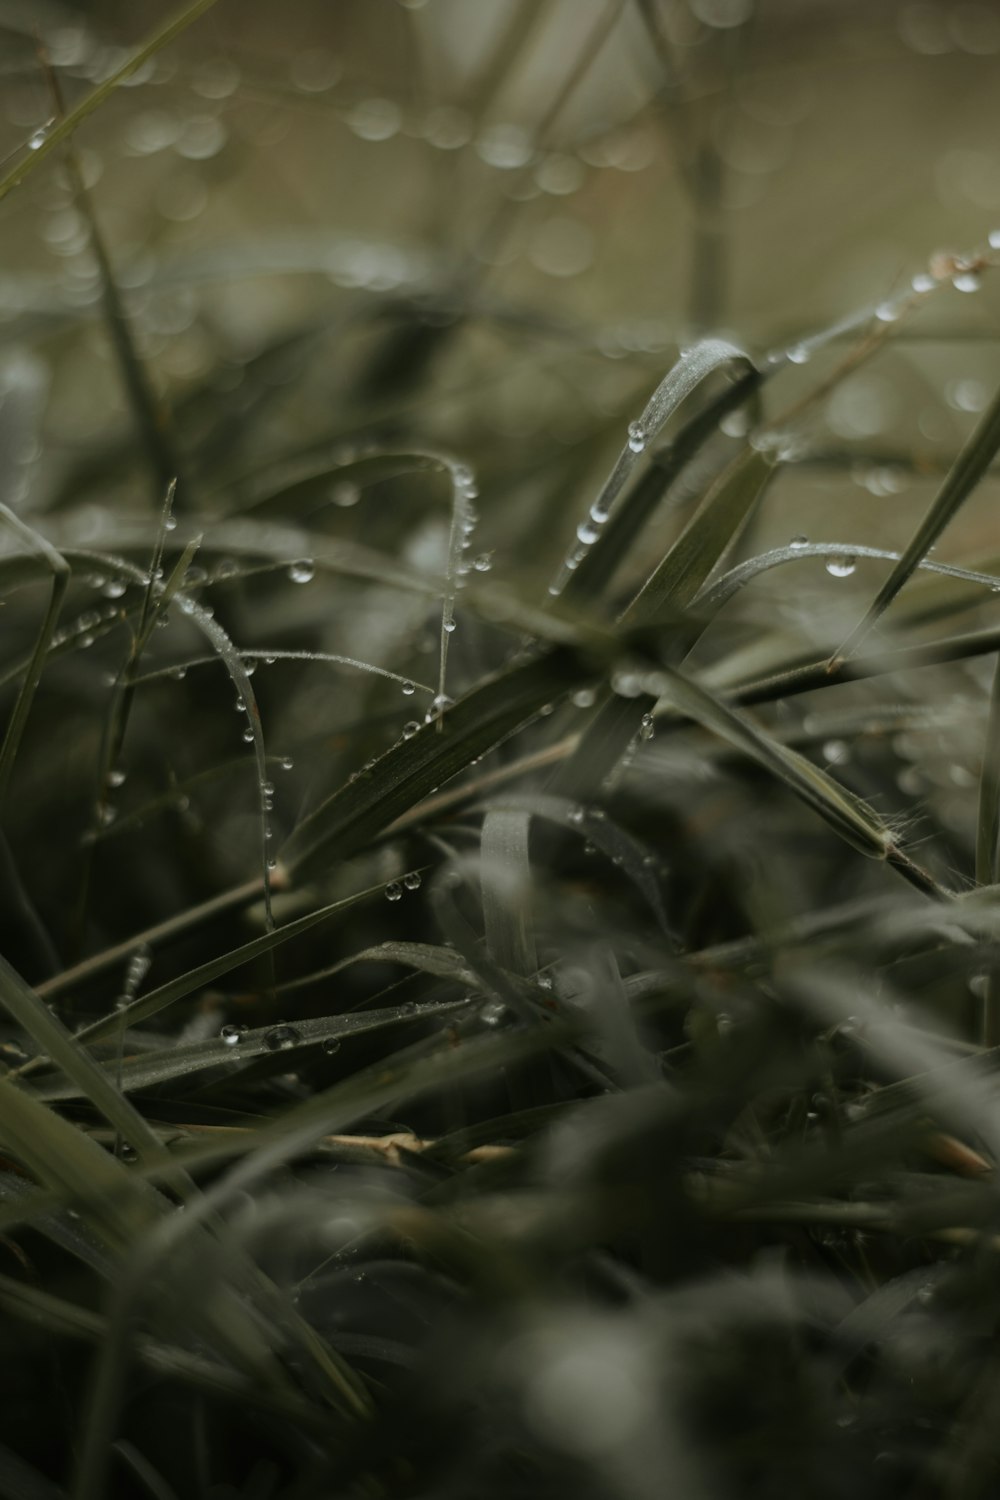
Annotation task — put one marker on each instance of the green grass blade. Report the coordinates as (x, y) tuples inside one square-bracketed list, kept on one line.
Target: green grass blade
[(65, 127), (713, 530), (505, 882), (51, 1036), (57, 566), (360, 810), (988, 818), (168, 1063), (425, 958), (680, 382), (62, 1158), (847, 814), (628, 522), (968, 469), (157, 1000)]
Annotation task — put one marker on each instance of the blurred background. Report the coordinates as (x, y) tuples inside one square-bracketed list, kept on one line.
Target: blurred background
[(571, 188), (486, 227)]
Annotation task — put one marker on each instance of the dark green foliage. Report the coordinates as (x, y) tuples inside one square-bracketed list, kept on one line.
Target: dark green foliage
[(543, 1041)]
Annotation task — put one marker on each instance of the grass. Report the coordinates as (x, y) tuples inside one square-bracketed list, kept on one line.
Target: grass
[(542, 1040)]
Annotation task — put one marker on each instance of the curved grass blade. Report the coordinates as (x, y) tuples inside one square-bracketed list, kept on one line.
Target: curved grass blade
[(988, 849), (847, 814), (426, 958), (686, 375), (357, 812), (152, 416), (64, 128), (93, 1082), (968, 469), (61, 1157), (224, 647), (712, 531), (57, 566), (168, 1063), (603, 832), (157, 1000), (505, 883), (711, 598), (626, 525)]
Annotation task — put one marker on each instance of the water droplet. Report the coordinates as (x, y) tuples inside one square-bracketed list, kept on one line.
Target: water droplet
[(331, 1045), (799, 354), (248, 735), (410, 728), (484, 562), (194, 576), (627, 684), (799, 541), (505, 146), (38, 137), (281, 1038), (966, 281), (302, 571), (449, 625), (439, 703), (408, 689), (178, 673), (584, 698), (493, 1013), (967, 395), (722, 14), (412, 880), (576, 815), (232, 1035), (636, 437), (836, 752), (116, 776), (375, 119), (587, 532), (286, 762), (345, 494), (114, 588), (994, 239), (394, 891), (170, 524), (647, 728), (841, 567), (979, 986), (923, 282), (106, 814)]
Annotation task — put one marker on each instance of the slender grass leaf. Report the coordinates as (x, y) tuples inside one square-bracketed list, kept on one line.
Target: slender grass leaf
[(988, 819), (57, 566), (505, 883), (427, 958), (157, 1000), (363, 808), (593, 825), (91, 1081), (627, 524), (713, 530), (119, 1204), (235, 1046), (969, 468), (64, 128), (849, 815), (684, 378)]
